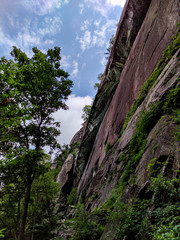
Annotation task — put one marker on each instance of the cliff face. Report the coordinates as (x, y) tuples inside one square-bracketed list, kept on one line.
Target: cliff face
[(128, 162), (131, 20), (145, 30)]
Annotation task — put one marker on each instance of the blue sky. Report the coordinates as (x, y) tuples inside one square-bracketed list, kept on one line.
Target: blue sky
[(82, 28)]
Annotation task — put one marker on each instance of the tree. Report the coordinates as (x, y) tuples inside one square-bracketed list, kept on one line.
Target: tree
[(86, 112), (108, 50), (32, 89), (100, 77), (42, 218)]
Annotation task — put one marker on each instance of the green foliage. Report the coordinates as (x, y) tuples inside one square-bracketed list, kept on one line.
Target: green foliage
[(151, 165), (109, 204), (1, 233), (122, 158), (167, 55), (156, 214), (143, 219), (108, 50), (131, 219), (155, 148), (107, 148), (166, 202), (164, 232), (144, 125), (100, 77), (177, 120), (32, 90), (148, 119), (166, 213), (41, 218), (84, 227), (172, 100), (72, 197), (35, 89), (86, 112), (96, 86), (137, 145), (165, 190)]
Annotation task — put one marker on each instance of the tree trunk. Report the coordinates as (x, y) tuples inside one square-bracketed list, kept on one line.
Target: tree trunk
[(25, 210)]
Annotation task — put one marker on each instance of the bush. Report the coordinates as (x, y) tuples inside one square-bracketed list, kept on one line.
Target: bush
[(84, 228), (72, 197), (170, 231)]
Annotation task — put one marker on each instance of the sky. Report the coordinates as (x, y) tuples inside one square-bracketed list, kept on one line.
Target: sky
[(81, 28)]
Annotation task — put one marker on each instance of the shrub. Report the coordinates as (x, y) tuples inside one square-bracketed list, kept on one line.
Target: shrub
[(170, 231), (84, 227), (72, 197)]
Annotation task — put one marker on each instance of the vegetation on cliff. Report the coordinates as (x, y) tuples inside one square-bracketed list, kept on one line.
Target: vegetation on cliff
[(31, 204), (151, 213)]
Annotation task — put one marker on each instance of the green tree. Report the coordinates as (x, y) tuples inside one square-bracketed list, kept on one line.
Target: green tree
[(42, 219), (96, 85), (86, 112), (108, 50), (32, 89)]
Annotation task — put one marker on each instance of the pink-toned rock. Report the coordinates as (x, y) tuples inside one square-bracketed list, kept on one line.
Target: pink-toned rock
[(154, 35), (77, 138), (131, 20), (64, 175), (161, 146)]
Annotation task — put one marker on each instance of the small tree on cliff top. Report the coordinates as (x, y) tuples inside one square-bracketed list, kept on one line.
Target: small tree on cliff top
[(86, 112), (32, 89)]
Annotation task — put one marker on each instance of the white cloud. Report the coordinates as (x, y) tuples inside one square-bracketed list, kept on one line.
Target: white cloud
[(71, 120), (25, 39), (91, 83), (42, 7), (78, 84), (50, 26), (6, 41), (81, 8), (85, 41), (65, 61), (99, 36), (97, 22), (83, 65), (85, 25), (103, 61), (22, 40), (48, 42), (116, 2), (75, 69), (30, 33), (98, 5), (104, 6)]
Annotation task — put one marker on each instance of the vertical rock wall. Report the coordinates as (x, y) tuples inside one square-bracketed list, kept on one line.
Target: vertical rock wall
[(153, 34), (130, 22)]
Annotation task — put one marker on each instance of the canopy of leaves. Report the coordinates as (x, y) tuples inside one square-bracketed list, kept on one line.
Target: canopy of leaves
[(31, 90)]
